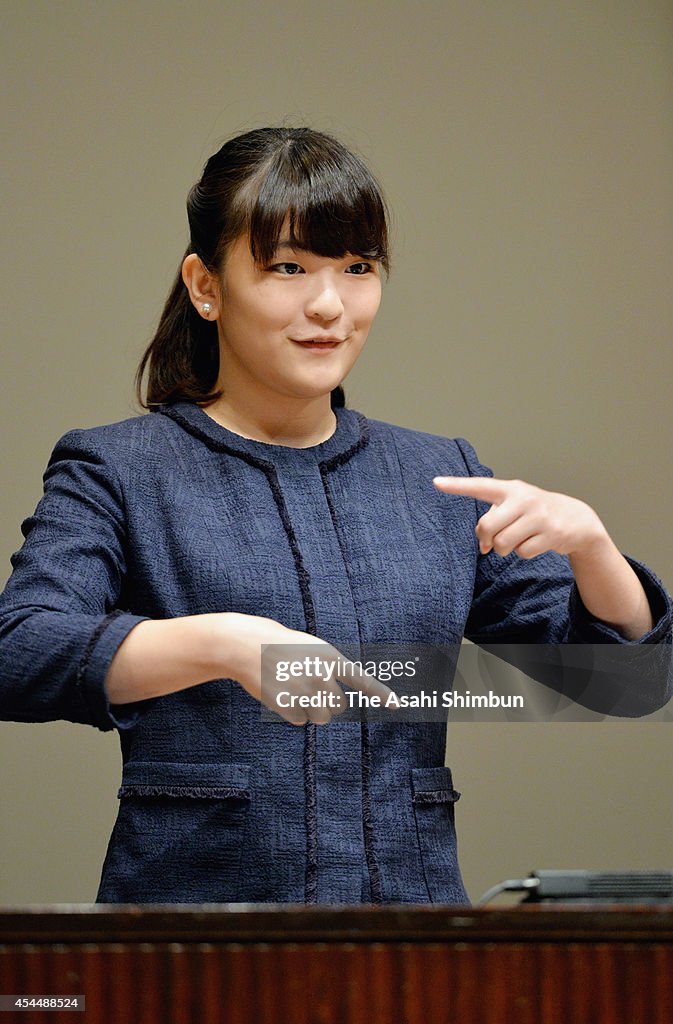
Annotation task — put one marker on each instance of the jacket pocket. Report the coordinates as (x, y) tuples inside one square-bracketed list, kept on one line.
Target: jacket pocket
[(179, 834), (434, 800), (188, 781)]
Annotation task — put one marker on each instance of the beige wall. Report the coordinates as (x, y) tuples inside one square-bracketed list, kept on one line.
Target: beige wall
[(527, 151)]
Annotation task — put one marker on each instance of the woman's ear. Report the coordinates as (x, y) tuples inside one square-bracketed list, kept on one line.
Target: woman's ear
[(202, 287)]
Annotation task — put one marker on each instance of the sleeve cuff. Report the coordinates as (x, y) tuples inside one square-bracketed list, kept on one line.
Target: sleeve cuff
[(585, 628), (100, 650)]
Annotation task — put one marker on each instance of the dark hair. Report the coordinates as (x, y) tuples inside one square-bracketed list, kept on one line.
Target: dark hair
[(251, 186)]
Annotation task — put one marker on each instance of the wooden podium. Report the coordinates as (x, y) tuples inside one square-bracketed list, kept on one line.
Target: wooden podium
[(401, 964)]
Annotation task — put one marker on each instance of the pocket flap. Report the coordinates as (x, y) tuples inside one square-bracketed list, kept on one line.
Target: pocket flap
[(433, 786), (178, 779)]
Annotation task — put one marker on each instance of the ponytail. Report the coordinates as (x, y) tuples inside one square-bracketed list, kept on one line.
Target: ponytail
[(183, 356)]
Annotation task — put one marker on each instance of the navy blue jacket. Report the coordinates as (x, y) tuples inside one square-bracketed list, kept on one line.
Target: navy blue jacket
[(170, 514)]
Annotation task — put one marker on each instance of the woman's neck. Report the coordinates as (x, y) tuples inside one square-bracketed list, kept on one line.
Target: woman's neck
[(294, 425)]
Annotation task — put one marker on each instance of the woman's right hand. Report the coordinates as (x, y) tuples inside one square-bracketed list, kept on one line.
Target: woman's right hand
[(258, 652), (161, 656)]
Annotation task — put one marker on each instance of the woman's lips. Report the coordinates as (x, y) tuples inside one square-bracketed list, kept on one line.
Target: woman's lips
[(318, 345)]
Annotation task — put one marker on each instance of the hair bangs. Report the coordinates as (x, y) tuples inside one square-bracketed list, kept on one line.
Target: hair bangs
[(329, 206)]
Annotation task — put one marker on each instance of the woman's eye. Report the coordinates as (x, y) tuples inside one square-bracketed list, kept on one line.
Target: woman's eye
[(360, 268), (287, 268)]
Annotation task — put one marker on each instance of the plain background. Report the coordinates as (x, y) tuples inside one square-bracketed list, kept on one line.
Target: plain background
[(526, 149)]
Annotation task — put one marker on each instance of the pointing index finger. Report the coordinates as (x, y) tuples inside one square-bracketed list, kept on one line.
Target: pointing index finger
[(484, 488)]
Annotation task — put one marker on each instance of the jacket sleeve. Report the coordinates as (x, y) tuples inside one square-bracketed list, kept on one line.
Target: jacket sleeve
[(60, 620), (523, 610)]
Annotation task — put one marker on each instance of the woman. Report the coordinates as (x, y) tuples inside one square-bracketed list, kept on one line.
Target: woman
[(252, 508)]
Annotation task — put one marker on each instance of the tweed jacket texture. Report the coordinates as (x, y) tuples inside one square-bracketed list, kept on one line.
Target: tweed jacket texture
[(170, 514)]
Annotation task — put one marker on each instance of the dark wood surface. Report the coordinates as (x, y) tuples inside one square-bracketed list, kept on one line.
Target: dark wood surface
[(291, 964), (239, 922)]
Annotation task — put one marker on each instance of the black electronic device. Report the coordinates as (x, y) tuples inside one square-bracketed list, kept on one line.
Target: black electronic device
[(578, 886)]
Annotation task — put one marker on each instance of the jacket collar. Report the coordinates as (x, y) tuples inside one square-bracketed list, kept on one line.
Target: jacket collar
[(350, 436)]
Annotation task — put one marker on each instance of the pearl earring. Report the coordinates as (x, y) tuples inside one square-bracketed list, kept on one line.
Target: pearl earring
[(206, 308)]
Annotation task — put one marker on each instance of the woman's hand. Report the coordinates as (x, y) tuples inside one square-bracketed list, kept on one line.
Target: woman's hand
[(530, 521), (161, 656), (526, 519), (267, 676)]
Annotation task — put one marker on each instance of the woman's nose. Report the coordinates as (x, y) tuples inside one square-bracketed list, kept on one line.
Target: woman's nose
[(325, 303)]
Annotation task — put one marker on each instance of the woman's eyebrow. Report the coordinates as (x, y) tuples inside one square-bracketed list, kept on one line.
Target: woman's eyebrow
[(285, 243), (288, 246)]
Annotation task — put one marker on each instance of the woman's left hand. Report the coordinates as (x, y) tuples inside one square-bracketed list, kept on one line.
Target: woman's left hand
[(526, 519), (530, 521)]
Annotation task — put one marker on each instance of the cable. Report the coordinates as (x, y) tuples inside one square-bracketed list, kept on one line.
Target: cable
[(510, 885)]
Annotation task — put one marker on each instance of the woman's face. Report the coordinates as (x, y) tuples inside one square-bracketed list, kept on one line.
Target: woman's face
[(295, 326)]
